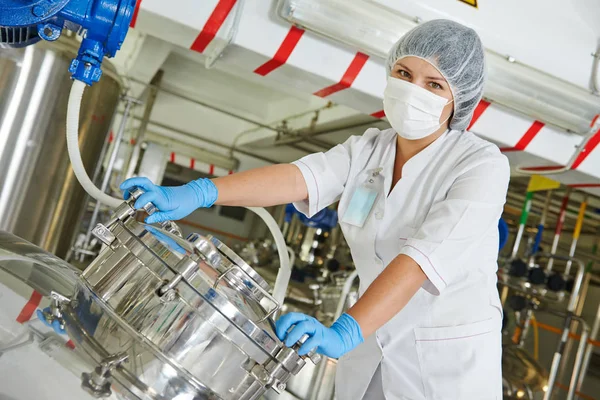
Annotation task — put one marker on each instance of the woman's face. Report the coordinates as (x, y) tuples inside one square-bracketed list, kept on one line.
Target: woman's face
[(420, 72)]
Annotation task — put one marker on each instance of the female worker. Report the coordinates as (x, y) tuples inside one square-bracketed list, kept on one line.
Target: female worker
[(419, 206)]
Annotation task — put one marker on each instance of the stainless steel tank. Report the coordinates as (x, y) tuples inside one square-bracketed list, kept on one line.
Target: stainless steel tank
[(164, 317), (40, 198)]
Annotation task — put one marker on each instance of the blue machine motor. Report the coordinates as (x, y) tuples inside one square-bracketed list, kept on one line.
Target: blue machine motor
[(102, 23)]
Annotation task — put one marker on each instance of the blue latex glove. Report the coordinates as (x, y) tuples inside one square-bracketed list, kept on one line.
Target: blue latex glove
[(344, 335), (175, 202), (54, 325)]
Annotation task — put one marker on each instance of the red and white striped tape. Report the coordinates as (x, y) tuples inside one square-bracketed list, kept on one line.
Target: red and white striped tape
[(192, 163), (285, 55), (212, 25)]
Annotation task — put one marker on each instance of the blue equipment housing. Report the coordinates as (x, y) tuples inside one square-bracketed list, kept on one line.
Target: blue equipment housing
[(102, 23)]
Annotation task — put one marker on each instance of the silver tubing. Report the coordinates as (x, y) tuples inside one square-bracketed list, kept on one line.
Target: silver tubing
[(577, 366)]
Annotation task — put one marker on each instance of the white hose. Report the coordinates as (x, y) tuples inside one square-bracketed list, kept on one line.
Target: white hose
[(285, 269), (73, 109)]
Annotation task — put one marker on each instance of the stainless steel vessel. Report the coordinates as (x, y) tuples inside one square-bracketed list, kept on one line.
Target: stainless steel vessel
[(40, 199), (168, 318)]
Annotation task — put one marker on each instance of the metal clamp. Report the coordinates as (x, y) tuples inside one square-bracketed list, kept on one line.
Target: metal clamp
[(97, 383), (312, 354), (263, 291), (104, 234), (150, 209), (205, 249), (185, 268)]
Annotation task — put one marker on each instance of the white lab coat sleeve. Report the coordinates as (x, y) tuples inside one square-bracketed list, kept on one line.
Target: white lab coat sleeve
[(325, 175), (454, 228)]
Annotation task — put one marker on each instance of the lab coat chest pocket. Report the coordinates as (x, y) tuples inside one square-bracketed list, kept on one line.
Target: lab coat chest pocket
[(461, 362)]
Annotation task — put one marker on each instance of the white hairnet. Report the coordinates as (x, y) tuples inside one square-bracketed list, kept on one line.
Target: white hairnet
[(458, 54)]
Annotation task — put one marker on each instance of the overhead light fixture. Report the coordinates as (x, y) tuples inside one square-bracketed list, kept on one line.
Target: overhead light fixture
[(366, 27), (373, 30)]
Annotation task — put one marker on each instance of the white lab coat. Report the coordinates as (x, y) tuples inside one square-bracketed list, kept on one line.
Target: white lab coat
[(443, 213)]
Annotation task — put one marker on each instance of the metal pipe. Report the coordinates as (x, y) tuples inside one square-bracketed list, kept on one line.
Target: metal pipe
[(160, 88), (576, 233), (558, 354), (199, 154), (522, 223), (579, 301), (129, 102), (589, 350), (558, 230), (556, 359), (525, 327), (288, 118), (190, 136), (135, 154), (577, 366), (591, 214), (540, 232), (155, 86), (331, 127), (344, 294)]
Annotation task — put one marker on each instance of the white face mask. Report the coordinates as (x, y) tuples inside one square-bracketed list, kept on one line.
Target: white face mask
[(413, 112)]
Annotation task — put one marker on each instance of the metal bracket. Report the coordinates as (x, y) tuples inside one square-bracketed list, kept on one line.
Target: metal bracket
[(185, 268), (265, 378), (312, 355), (104, 234), (97, 383), (206, 249)]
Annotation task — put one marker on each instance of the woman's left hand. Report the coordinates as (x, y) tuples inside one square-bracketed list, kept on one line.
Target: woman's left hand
[(344, 335)]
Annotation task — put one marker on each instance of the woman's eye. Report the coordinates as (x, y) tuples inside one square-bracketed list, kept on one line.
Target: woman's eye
[(403, 73), (435, 85)]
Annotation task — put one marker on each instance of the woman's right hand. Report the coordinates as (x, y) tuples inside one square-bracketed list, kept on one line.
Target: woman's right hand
[(173, 203)]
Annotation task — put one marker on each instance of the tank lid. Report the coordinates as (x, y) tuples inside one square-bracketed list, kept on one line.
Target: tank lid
[(42, 271), (213, 271)]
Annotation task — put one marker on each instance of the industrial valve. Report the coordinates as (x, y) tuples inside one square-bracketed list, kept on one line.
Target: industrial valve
[(103, 24), (556, 282), (518, 268), (537, 276), (517, 303)]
